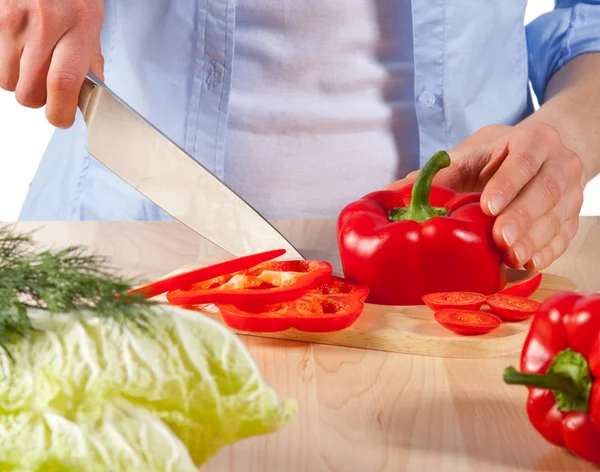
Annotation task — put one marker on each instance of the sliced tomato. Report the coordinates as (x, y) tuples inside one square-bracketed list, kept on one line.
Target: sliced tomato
[(467, 322), (526, 288), (511, 307), (186, 279), (445, 300), (308, 313), (265, 283), (340, 286)]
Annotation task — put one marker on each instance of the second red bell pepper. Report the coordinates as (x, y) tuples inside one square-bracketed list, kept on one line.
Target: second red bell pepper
[(560, 365), (403, 244)]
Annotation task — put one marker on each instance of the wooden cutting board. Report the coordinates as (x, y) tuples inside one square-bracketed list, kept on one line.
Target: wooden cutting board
[(413, 330)]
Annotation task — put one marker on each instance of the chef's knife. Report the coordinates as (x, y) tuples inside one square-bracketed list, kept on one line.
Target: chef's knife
[(141, 155)]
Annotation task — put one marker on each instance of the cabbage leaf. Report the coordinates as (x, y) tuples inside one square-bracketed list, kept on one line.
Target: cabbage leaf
[(87, 394)]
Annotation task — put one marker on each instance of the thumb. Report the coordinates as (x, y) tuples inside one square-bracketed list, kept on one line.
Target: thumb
[(97, 61)]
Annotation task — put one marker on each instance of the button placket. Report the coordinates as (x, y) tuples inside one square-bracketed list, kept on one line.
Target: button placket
[(429, 43), (206, 129)]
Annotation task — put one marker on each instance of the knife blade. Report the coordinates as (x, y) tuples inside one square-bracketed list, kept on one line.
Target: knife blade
[(140, 154)]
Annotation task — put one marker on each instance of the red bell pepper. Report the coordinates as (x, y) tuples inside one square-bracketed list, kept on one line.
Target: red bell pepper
[(560, 365), (269, 282), (403, 244)]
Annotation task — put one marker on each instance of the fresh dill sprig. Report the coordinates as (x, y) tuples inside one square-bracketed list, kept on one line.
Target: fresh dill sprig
[(63, 281)]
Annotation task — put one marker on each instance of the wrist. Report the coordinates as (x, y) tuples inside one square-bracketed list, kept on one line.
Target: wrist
[(557, 114), (572, 108)]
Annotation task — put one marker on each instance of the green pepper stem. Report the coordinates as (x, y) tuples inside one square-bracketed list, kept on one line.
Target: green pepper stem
[(420, 208), (568, 377), (557, 382)]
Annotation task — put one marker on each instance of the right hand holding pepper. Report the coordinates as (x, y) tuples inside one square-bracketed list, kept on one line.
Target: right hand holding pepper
[(46, 49), (530, 181)]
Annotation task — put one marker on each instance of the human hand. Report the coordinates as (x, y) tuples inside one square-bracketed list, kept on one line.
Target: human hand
[(46, 49), (529, 180)]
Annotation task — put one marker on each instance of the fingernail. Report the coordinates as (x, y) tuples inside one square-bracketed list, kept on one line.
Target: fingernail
[(536, 260), (520, 253), (509, 234), (496, 203)]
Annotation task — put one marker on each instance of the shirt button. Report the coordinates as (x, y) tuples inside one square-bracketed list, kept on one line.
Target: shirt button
[(427, 99)]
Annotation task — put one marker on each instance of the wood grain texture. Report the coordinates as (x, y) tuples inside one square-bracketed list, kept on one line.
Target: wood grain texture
[(362, 410)]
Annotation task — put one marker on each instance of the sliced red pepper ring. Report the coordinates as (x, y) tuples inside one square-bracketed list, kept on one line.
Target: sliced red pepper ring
[(265, 283), (338, 286), (186, 279), (511, 307), (446, 300), (308, 313), (289, 271), (525, 288), (467, 322)]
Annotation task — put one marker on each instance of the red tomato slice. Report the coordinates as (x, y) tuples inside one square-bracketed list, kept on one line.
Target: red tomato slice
[(186, 279), (446, 300), (266, 283), (526, 288), (511, 307), (340, 286), (309, 314), (467, 322)]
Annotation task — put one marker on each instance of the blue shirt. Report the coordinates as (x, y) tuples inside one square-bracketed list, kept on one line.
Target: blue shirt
[(453, 66)]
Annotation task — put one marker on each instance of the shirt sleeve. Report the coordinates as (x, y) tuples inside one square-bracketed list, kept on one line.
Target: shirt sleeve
[(554, 38)]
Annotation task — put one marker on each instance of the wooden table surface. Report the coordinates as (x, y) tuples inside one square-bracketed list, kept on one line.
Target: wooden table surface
[(360, 410)]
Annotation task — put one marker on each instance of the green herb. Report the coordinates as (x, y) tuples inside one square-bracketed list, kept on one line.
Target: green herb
[(63, 281)]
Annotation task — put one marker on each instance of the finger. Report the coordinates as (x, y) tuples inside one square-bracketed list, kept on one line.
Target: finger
[(97, 62), (538, 197), (13, 24), (35, 61), (546, 228), (10, 57), (527, 151), (556, 248), (44, 31), (68, 68)]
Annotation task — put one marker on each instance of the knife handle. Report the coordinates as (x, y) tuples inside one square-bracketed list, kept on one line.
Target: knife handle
[(86, 94)]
